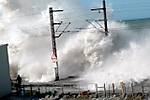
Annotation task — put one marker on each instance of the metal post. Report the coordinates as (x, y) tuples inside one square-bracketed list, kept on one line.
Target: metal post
[(31, 92), (109, 90), (142, 89), (54, 40), (96, 87), (113, 89), (105, 94), (62, 89), (132, 89), (105, 18)]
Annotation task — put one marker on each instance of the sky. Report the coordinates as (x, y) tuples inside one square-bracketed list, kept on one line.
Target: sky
[(125, 9), (130, 9)]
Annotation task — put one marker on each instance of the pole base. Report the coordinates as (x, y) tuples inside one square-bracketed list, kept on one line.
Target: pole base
[(57, 78)]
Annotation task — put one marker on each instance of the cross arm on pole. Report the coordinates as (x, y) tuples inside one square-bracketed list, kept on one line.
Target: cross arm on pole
[(95, 9), (58, 10), (63, 30), (51, 10)]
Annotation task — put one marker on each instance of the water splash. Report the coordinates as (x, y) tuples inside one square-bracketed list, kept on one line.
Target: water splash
[(123, 55)]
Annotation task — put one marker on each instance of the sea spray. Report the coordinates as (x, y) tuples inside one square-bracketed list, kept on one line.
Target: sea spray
[(24, 25), (128, 58), (122, 56)]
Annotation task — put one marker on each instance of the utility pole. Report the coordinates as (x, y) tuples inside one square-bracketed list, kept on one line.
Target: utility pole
[(104, 15), (53, 37)]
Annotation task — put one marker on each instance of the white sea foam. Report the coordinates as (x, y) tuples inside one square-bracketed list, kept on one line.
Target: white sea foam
[(123, 55)]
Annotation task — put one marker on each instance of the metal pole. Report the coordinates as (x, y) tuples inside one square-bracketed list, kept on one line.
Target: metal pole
[(143, 89), (96, 87), (105, 18), (31, 92), (132, 89), (109, 90), (105, 94), (113, 87), (54, 42)]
